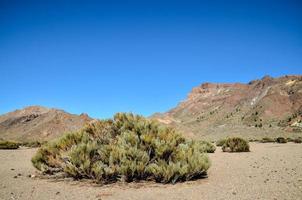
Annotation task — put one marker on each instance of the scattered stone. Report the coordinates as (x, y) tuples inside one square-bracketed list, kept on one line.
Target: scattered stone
[(57, 193), (15, 176), (12, 169), (19, 174), (31, 176)]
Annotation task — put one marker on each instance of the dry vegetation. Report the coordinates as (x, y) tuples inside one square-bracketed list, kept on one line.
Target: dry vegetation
[(235, 144), (127, 148), (220, 142), (9, 145)]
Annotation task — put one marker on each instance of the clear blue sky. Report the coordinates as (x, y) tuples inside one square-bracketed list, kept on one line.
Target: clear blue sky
[(102, 57)]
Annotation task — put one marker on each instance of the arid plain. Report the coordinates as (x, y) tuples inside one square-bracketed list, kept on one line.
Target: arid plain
[(269, 171)]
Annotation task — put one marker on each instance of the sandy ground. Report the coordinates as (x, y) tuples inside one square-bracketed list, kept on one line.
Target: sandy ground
[(269, 171)]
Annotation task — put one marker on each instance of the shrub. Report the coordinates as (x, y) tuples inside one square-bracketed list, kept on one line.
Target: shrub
[(220, 142), (281, 140), (9, 145), (205, 146), (297, 140), (235, 144), (267, 140), (128, 147), (32, 144)]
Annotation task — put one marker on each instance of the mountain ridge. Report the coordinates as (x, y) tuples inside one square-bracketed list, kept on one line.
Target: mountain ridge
[(266, 107), (39, 123), (262, 105)]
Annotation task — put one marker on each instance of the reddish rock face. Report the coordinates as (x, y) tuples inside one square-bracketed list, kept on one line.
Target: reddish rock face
[(267, 102), (39, 123)]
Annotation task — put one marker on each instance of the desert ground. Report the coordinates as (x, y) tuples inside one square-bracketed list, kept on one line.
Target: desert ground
[(269, 171)]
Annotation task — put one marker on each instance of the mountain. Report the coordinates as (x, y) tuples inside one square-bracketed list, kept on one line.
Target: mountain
[(266, 107), (39, 123)]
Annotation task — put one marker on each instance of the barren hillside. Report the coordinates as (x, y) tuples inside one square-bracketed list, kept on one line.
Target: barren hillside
[(259, 108), (39, 123)]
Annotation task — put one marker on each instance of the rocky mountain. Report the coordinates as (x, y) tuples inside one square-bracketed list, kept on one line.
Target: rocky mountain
[(266, 107), (39, 123)]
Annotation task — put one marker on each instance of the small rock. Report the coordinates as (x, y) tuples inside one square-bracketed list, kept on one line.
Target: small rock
[(19, 174), (234, 193), (57, 193), (15, 176), (12, 169), (31, 176)]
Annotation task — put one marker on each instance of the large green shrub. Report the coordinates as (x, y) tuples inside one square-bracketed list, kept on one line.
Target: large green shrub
[(9, 145), (127, 148), (235, 144)]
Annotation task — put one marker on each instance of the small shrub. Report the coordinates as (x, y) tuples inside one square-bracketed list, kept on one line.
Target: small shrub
[(267, 140), (235, 144), (128, 147), (297, 140), (206, 147), (32, 144), (220, 142), (9, 145), (281, 140)]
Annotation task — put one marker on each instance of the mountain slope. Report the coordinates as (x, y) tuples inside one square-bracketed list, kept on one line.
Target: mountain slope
[(39, 123), (259, 108)]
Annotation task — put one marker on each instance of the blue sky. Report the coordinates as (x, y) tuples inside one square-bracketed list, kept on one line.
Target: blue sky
[(102, 57)]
